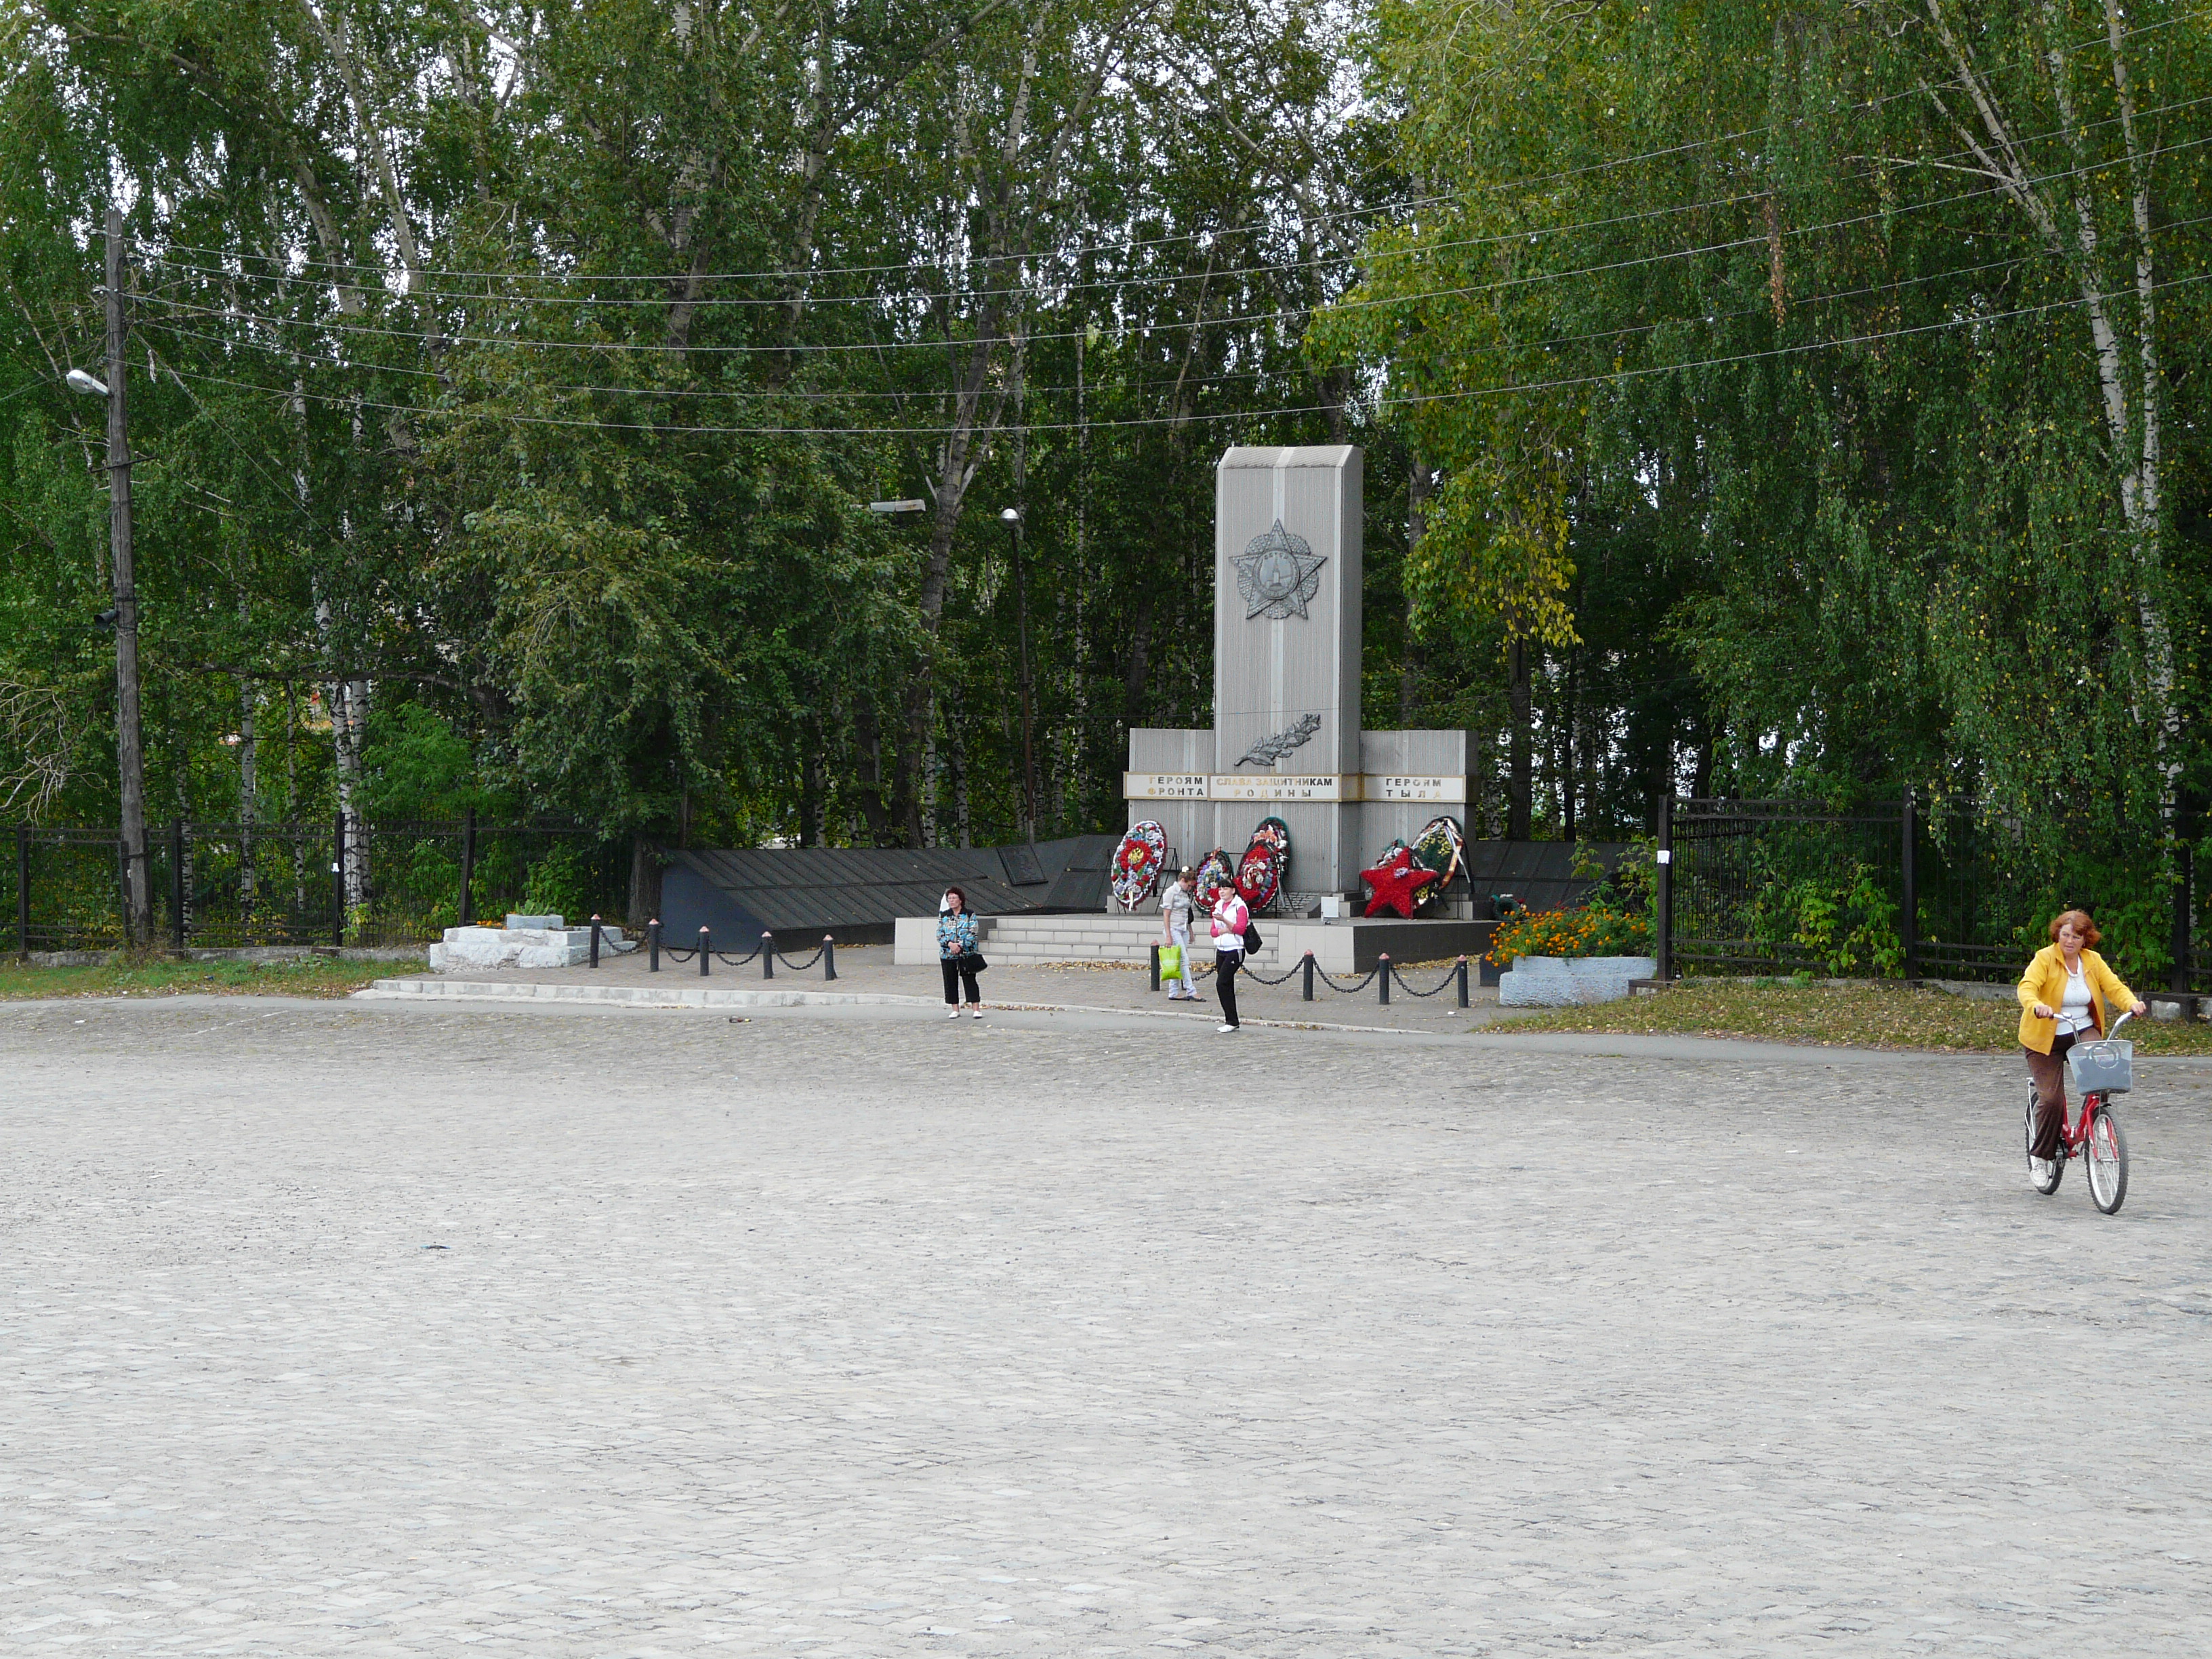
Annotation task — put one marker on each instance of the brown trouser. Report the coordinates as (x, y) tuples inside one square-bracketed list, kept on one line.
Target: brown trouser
[(2049, 1071)]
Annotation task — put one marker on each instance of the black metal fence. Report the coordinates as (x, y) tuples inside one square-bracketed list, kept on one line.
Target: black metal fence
[(1901, 889), (341, 882)]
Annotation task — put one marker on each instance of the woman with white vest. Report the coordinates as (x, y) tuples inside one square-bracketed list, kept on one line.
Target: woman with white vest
[(1231, 917)]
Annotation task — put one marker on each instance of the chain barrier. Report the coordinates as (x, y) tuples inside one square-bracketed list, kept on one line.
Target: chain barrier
[(1253, 974), (655, 948), (1322, 974), (1450, 978)]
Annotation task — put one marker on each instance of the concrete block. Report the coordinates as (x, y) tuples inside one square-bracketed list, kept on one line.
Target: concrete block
[(1565, 981)]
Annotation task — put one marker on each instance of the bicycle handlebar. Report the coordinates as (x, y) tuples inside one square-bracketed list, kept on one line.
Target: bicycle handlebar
[(2121, 1021)]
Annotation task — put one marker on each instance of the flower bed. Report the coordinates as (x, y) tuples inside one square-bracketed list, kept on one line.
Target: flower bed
[(1616, 921), (1592, 930)]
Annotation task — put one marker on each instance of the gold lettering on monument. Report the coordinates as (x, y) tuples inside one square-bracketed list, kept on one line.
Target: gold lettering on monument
[(1163, 785)]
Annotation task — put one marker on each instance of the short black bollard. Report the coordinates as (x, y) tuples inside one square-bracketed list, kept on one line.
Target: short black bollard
[(652, 945), (706, 950), (829, 956), (768, 955), (595, 941), (1462, 981), (1155, 967), (1309, 967), (1383, 977)]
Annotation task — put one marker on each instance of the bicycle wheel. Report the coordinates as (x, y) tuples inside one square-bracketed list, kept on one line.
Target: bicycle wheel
[(2043, 1174), (2107, 1152)]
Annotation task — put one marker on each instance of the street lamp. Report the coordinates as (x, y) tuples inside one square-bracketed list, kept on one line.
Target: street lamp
[(1011, 518), (130, 753)]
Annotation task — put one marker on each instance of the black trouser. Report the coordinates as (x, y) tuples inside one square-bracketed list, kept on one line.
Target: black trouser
[(2049, 1071), (958, 971), (1226, 964)]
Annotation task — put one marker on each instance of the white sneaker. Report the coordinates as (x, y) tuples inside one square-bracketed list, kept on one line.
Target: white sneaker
[(976, 1009), (955, 1014), (1224, 1030)]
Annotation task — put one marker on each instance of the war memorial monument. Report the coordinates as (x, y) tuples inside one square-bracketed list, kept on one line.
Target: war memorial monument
[(1288, 741)]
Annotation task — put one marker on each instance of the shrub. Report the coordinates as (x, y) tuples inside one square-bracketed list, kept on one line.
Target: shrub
[(1846, 922)]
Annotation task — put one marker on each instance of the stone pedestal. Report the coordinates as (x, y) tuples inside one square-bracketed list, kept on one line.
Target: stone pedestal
[(524, 942)]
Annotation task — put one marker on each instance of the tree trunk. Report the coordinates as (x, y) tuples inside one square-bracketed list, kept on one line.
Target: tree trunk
[(249, 794), (1420, 484), (644, 883), (1137, 669), (874, 799), (1567, 778), (1519, 784)]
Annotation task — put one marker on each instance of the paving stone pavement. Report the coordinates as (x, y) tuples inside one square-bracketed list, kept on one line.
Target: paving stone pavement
[(364, 1331)]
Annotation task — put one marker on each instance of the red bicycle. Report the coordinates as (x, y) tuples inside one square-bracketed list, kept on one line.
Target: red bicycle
[(2095, 1137)]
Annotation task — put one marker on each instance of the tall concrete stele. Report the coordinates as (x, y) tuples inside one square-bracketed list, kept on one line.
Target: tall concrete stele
[(1287, 740)]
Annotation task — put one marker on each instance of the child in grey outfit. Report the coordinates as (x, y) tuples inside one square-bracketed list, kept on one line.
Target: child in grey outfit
[(1175, 928)]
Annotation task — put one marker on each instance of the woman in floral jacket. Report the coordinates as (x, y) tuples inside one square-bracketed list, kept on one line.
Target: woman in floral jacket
[(956, 953)]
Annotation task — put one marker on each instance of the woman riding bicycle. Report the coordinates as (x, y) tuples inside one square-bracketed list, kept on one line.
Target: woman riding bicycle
[(2064, 994)]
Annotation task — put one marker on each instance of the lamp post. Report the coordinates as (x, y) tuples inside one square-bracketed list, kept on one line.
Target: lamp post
[(1011, 518), (129, 754)]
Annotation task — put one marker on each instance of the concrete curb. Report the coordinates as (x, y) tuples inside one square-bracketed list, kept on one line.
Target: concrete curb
[(497, 991), (635, 996)]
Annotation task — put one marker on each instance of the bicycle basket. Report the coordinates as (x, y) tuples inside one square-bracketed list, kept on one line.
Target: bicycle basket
[(2104, 1066)]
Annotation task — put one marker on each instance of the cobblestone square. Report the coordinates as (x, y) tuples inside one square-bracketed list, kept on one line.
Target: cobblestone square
[(360, 1330)]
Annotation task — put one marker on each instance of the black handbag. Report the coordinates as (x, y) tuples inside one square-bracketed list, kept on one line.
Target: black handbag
[(1252, 940), (974, 959)]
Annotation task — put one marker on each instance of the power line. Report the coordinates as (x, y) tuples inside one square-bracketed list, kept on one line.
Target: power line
[(1611, 377), (915, 297), (1337, 308), (1113, 387)]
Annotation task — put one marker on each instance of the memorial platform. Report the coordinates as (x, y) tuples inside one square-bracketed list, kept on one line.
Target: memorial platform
[(1345, 946)]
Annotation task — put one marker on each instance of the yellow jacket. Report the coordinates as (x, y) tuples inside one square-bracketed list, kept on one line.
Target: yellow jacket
[(2045, 982)]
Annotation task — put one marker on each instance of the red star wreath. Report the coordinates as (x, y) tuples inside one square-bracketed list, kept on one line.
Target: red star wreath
[(1397, 882)]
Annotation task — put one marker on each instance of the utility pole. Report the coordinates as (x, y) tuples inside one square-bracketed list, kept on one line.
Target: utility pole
[(1012, 519), (138, 921)]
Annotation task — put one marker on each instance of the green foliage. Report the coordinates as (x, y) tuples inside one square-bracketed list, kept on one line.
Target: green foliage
[(1692, 372), (1805, 424), (1846, 921), (416, 765), (560, 883)]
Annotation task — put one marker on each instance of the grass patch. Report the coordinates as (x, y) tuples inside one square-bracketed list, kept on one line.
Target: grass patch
[(298, 977), (1872, 1016)]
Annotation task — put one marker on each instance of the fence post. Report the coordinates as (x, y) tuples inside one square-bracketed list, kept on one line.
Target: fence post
[(1665, 931), (468, 868), (1309, 966), (767, 954), (706, 949), (1462, 981), (338, 879), (652, 945), (1155, 967), (829, 955), (595, 939), (23, 891), (1383, 977), (1909, 927), (177, 885)]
